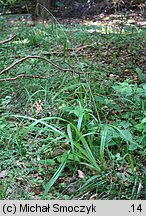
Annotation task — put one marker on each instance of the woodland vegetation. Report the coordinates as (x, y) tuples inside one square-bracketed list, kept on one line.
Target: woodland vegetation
[(77, 8), (72, 100)]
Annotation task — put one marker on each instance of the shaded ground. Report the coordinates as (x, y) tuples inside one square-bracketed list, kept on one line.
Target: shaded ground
[(116, 20), (114, 23)]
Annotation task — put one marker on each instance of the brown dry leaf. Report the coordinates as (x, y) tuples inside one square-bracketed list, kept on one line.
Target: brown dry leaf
[(81, 174), (38, 106), (135, 77), (37, 192), (93, 197)]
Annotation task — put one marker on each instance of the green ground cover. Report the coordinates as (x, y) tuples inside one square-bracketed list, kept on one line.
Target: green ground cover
[(79, 133)]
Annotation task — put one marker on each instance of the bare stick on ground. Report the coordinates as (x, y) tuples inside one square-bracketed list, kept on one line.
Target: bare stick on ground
[(7, 40)]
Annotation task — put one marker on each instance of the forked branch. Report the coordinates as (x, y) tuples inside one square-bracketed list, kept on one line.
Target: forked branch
[(32, 76)]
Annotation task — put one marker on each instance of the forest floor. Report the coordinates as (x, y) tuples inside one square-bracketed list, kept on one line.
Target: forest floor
[(73, 108)]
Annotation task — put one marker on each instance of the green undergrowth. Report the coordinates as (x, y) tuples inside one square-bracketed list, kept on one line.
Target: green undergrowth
[(81, 132)]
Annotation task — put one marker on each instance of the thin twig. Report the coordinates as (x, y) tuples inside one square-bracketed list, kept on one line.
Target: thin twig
[(7, 40), (81, 48), (37, 57), (24, 76), (28, 57)]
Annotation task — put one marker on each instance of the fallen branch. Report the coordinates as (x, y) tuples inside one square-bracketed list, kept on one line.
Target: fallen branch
[(37, 57), (28, 57), (7, 40)]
